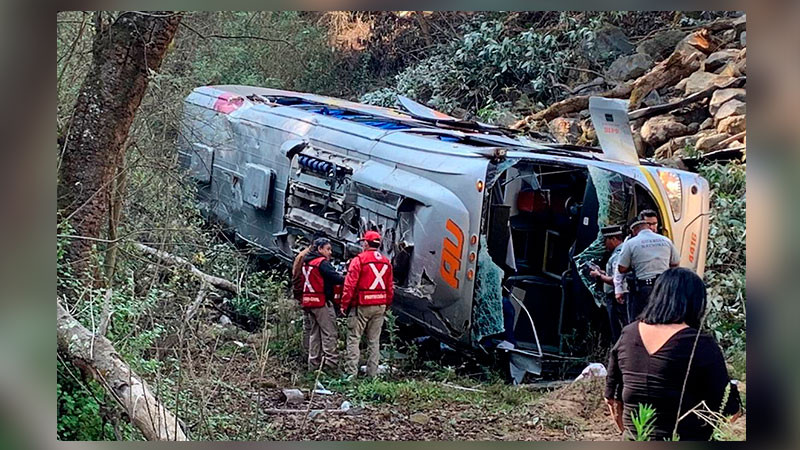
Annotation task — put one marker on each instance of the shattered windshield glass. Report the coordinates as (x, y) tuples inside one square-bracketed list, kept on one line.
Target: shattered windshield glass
[(613, 199)]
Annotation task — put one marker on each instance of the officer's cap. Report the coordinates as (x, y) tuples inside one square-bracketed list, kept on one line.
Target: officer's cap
[(611, 230)]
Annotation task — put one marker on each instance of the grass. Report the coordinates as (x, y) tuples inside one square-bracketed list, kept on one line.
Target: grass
[(432, 393)]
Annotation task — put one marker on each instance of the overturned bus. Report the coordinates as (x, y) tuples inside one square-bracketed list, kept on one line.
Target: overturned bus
[(469, 213)]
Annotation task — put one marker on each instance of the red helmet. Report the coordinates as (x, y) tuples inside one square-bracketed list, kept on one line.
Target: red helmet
[(371, 236)]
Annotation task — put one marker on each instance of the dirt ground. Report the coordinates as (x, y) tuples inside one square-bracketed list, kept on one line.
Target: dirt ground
[(235, 399)]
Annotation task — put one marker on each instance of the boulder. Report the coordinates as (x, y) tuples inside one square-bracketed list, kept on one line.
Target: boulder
[(676, 146), (609, 41), (728, 36), (732, 107), (736, 144), (740, 23), (629, 67), (700, 80), (708, 142), (732, 125), (565, 130), (723, 95), (743, 39), (707, 124), (699, 40), (589, 136), (717, 60), (660, 129), (652, 99), (661, 44), (505, 119)]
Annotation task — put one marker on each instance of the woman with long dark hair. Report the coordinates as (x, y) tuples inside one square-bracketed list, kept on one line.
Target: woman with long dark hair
[(663, 360)]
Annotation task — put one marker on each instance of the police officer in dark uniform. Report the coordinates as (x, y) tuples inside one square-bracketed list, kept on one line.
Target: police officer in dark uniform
[(617, 313)]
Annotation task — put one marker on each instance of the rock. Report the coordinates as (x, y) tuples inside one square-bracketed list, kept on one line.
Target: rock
[(728, 36), (660, 129), (707, 124), (740, 23), (708, 142), (419, 418), (718, 60), (629, 67), (694, 127), (732, 107), (735, 144), (723, 95), (730, 70), (292, 396), (699, 40), (732, 125), (584, 114), (589, 136), (700, 80), (505, 119), (743, 38), (565, 130), (609, 41), (652, 99), (224, 320), (677, 146), (661, 44)]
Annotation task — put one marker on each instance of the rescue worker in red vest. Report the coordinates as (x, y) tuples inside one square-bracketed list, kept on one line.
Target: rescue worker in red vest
[(319, 278), (368, 291)]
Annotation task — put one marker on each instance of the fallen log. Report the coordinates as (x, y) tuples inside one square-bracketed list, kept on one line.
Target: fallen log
[(198, 300), (723, 143), (97, 356), (571, 105), (679, 64), (174, 260), (659, 109)]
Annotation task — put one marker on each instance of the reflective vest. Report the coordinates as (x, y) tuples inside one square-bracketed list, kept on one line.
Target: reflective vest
[(313, 284), (375, 279)]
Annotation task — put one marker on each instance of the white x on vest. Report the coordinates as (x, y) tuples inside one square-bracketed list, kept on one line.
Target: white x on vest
[(307, 284), (378, 277)]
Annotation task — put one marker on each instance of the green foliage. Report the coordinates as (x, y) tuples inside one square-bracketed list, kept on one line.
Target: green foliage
[(487, 62), (726, 258), (79, 408), (643, 422)]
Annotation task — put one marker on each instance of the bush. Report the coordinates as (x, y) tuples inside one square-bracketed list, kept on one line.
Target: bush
[(490, 63), (726, 258)]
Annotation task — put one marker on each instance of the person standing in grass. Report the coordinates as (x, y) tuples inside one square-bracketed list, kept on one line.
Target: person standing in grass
[(368, 291), (663, 360), (319, 279)]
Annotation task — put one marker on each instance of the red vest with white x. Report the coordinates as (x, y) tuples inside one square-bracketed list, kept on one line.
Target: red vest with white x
[(313, 284), (375, 279)]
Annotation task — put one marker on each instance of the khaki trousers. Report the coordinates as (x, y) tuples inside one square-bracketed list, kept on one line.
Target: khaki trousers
[(364, 320), (322, 339), (306, 331)]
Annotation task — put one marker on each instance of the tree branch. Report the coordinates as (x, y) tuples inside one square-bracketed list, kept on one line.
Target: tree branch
[(174, 260), (125, 386)]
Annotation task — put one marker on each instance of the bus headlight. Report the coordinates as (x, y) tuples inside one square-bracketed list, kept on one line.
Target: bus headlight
[(672, 184)]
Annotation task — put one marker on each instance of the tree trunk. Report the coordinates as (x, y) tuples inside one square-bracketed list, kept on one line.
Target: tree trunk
[(96, 355), (123, 54)]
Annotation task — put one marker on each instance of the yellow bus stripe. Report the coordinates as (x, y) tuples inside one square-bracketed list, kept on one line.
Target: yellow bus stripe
[(660, 200)]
